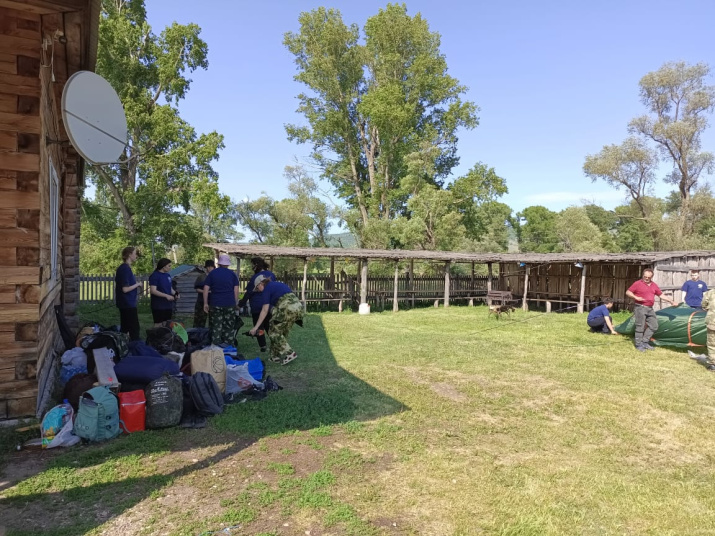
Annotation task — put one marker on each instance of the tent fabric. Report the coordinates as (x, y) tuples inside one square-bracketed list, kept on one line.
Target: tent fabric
[(681, 327)]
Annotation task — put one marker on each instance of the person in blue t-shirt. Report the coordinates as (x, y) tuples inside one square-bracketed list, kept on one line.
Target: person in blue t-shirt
[(127, 294), (285, 309), (220, 297), (694, 290), (256, 299), (599, 320), (162, 292)]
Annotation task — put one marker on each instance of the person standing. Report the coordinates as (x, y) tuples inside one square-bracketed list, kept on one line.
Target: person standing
[(257, 299), (220, 297), (162, 292), (599, 320), (285, 309), (200, 316), (127, 294), (644, 292), (694, 290)]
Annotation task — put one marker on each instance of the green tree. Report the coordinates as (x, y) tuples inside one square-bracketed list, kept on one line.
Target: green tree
[(166, 163), (536, 230), (576, 232), (433, 223), (679, 100), (378, 111), (629, 167)]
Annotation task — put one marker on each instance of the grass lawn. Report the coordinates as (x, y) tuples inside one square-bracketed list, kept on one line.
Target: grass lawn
[(429, 421)]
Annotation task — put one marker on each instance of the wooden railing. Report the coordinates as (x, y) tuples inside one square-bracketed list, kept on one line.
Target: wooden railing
[(325, 288)]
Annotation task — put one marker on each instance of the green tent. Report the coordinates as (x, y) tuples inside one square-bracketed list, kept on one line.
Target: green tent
[(681, 326)]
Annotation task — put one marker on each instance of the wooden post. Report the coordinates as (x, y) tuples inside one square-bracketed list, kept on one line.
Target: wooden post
[(548, 306), (446, 282), (395, 307), (216, 254), (272, 265), (412, 283), (583, 289), (489, 281), (363, 281), (524, 305), (305, 282), (238, 271)]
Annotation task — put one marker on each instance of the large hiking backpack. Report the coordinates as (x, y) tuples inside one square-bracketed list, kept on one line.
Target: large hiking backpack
[(165, 340), (206, 394), (164, 402), (117, 342), (98, 415)]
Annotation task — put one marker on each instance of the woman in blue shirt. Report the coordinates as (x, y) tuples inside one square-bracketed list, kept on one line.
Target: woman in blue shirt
[(256, 299), (127, 294), (220, 297), (162, 292)]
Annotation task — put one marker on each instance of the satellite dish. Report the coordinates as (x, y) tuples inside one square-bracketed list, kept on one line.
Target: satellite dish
[(94, 118)]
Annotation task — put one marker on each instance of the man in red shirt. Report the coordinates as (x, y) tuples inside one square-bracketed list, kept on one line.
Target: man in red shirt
[(644, 292)]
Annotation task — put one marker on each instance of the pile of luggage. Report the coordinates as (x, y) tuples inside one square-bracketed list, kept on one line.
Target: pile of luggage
[(113, 385)]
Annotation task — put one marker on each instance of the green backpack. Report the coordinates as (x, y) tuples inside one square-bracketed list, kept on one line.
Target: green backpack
[(98, 415)]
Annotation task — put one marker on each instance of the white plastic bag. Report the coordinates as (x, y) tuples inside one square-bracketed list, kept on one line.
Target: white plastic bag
[(238, 379), (76, 357), (60, 417)]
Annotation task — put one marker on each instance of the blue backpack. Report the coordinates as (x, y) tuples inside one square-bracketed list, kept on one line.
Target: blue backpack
[(98, 415)]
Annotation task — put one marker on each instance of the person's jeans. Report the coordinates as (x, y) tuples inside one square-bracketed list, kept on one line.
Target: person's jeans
[(598, 324), (646, 324)]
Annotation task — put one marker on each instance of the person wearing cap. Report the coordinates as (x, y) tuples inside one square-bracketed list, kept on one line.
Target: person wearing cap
[(285, 309), (694, 290), (162, 292), (257, 299), (220, 297), (127, 294), (200, 316)]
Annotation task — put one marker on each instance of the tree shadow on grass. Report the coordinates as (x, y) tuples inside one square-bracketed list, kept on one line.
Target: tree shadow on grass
[(86, 486)]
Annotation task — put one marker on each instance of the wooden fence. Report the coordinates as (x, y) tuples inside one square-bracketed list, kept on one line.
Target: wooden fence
[(324, 288)]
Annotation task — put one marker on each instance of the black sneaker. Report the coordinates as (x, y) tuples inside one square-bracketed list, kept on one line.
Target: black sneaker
[(263, 348), (641, 348), (648, 346)]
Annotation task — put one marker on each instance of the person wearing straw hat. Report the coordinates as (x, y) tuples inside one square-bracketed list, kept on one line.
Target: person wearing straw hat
[(285, 309), (220, 297)]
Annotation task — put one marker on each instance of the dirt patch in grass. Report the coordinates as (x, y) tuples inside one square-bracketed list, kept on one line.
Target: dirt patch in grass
[(23, 464)]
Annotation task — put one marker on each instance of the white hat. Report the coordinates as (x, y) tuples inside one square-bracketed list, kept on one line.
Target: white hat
[(224, 260), (260, 278)]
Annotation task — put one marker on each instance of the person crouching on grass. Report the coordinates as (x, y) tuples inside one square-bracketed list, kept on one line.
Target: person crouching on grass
[(599, 320), (285, 309)]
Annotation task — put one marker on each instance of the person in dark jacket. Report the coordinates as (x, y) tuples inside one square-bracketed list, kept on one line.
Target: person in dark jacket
[(220, 297), (256, 299), (200, 316), (286, 310), (162, 292), (127, 294)]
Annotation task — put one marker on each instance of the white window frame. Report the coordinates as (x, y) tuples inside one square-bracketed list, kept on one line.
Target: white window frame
[(54, 195)]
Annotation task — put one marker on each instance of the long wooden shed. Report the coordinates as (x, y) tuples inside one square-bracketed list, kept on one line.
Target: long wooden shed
[(574, 281), (42, 43)]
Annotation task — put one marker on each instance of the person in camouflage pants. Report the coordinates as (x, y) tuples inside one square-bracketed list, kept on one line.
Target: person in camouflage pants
[(709, 305), (222, 324), (286, 310)]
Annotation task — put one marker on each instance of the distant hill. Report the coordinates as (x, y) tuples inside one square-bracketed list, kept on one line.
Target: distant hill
[(345, 240)]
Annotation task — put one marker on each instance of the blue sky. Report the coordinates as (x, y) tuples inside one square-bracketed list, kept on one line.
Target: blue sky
[(555, 81)]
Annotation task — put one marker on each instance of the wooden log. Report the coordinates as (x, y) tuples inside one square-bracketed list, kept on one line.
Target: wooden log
[(305, 282), (447, 266), (412, 283), (363, 281), (489, 281), (583, 289), (19, 162), (524, 305), (395, 287)]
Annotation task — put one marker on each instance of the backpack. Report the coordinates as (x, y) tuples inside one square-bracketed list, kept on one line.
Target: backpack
[(98, 415), (76, 385), (206, 394), (114, 340), (164, 402), (165, 340)]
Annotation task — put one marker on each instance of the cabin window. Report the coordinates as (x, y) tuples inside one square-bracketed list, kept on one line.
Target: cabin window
[(54, 218)]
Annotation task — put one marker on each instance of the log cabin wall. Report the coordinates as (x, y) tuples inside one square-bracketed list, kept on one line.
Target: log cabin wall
[(39, 244)]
